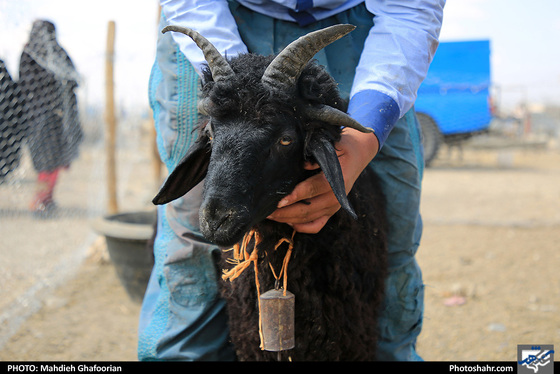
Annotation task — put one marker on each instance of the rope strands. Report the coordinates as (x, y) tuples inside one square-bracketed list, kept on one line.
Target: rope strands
[(278, 308)]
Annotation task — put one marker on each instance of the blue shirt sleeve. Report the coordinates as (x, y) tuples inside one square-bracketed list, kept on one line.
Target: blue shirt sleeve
[(375, 110)]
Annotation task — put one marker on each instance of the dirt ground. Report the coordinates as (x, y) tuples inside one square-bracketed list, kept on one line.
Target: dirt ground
[(88, 319), (490, 256)]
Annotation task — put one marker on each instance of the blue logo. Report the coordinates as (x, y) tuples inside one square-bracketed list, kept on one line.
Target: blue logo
[(535, 359)]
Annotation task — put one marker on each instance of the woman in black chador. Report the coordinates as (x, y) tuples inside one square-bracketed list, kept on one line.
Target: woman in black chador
[(12, 131), (48, 80)]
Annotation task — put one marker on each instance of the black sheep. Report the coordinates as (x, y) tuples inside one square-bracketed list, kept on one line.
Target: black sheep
[(264, 117)]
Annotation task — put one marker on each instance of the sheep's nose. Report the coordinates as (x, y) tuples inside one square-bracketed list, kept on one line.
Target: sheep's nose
[(221, 222), (215, 216)]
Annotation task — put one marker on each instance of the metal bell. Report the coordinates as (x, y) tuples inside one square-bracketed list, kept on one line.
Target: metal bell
[(277, 320)]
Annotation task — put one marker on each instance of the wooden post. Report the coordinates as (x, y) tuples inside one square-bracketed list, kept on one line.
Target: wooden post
[(110, 121), (156, 160)]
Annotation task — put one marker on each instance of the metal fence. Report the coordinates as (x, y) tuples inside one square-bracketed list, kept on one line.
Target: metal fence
[(54, 174)]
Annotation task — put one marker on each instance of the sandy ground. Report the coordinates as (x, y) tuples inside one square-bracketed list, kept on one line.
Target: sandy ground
[(490, 257), (89, 319)]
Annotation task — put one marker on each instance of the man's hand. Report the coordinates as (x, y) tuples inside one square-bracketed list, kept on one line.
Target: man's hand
[(310, 205)]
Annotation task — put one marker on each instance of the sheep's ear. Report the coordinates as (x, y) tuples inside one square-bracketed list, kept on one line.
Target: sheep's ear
[(190, 171), (325, 154)]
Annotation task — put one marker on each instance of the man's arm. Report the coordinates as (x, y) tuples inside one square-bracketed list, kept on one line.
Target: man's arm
[(212, 19)]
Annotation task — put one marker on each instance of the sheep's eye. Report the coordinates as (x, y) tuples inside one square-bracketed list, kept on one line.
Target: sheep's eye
[(286, 140)]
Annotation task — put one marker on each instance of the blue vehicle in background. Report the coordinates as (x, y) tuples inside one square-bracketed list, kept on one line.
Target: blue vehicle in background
[(453, 102)]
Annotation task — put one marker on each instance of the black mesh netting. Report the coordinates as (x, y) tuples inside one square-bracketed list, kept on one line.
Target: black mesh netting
[(54, 164), (40, 111), (12, 129)]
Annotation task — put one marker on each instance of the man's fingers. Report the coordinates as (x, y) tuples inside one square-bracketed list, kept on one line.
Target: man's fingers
[(312, 227), (312, 203), (309, 188), (307, 210), (311, 165)]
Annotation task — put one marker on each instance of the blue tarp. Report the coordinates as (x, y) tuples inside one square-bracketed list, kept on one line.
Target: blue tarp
[(456, 91)]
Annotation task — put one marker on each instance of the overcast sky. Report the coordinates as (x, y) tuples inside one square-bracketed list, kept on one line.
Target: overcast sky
[(82, 31), (524, 37)]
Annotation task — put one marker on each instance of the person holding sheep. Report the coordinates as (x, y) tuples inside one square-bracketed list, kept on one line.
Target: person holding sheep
[(379, 69)]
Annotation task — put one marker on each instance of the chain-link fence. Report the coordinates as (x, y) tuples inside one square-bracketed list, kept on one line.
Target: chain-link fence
[(53, 172), (11, 127)]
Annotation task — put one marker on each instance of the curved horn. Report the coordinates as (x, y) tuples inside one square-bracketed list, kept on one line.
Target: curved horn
[(333, 116), (284, 71), (218, 64), (204, 106)]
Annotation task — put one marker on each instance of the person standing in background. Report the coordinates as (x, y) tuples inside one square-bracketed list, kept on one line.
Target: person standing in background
[(48, 79)]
